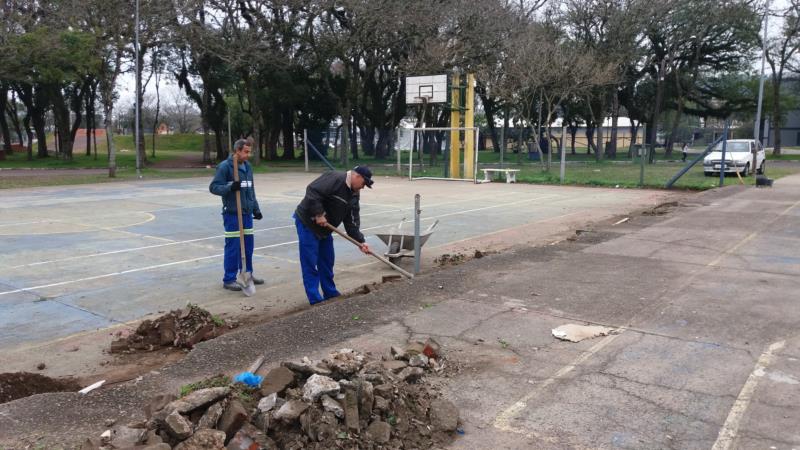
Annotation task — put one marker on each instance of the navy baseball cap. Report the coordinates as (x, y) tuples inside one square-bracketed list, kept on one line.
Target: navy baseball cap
[(365, 173)]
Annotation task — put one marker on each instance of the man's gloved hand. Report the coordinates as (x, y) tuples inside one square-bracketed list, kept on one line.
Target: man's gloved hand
[(257, 215), (236, 186)]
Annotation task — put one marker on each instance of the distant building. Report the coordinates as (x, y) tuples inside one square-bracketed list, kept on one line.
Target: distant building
[(790, 131)]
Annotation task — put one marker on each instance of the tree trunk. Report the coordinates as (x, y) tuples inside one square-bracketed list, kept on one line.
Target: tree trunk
[(611, 150), (776, 119), (27, 124), (573, 132), (206, 127), (140, 132), (13, 113), (158, 110), (368, 140), (90, 97), (41, 135), (255, 115), (600, 143), (61, 117), (384, 142), (272, 143), (590, 145), (4, 130), (653, 128), (218, 136), (634, 127), (288, 135), (345, 113), (34, 99), (109, 126), (354, 139)]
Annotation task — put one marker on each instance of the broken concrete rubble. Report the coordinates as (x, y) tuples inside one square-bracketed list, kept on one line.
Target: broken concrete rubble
[(362, 403), (277, 381), (178, 426), (332, 406), (319, 385), (291, 410)]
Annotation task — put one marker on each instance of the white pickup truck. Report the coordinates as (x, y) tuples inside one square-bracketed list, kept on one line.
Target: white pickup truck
[(738, 158)]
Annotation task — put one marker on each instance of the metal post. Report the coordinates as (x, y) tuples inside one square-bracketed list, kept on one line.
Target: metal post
[(410, 162), (724, 149), (305, 145), (475, 166), (138, 88), (417, 252), (399, 168), (563, 153), (642, 154), (757, 128)]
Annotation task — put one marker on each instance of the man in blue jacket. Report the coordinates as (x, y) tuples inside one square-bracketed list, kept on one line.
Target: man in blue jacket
[(224, 186), (330, 199)]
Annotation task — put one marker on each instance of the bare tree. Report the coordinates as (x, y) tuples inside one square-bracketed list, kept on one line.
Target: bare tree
[(782, 57)]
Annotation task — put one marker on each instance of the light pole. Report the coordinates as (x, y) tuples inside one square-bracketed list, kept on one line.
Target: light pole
[(757, 127), (138, 88)]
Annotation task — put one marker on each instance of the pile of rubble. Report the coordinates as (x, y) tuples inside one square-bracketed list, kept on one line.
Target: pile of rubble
[(181, 328), (348, 400)]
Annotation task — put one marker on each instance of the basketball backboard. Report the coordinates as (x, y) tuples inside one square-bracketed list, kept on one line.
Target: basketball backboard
[(433, 88)]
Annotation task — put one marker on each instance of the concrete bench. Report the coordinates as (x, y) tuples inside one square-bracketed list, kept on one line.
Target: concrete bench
[(510, 175)]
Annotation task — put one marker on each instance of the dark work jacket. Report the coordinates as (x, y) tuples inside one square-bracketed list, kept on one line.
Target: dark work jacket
[(329, 194), (221, 185)]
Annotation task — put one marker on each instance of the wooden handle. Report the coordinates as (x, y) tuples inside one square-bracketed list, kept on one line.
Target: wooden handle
[(379, 257), (239, 214)]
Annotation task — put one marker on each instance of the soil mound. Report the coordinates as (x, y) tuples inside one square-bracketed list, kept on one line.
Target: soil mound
[(24, 384), (182, 328)]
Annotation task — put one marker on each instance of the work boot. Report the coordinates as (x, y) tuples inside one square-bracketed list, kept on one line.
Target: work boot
[(232, 286), (257, 280)]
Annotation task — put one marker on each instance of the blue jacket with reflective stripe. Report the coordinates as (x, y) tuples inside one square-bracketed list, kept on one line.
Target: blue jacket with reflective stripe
[(221, 185)]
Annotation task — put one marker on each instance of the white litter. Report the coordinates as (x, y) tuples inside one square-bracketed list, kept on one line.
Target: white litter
[(576, 333), (91, 387), (622, 221)]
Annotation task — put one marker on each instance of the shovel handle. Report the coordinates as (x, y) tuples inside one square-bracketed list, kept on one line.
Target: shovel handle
[(245, 276), (379, 257)]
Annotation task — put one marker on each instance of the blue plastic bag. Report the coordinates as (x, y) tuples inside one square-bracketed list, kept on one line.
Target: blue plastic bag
[(249, 379)]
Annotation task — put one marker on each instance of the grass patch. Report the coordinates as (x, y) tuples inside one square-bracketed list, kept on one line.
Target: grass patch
[(124, 158), (81, 177), (167, 142), (217, 381), (615, 173), (218, 321)]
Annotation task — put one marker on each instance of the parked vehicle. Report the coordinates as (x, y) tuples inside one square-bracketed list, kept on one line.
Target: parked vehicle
[(738, 158)]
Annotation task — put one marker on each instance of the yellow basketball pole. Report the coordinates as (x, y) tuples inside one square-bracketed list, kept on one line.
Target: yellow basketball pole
[(469, 122), (455, 122)]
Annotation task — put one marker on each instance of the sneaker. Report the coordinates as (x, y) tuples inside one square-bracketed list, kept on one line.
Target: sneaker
[(232, 286), (257, 280)]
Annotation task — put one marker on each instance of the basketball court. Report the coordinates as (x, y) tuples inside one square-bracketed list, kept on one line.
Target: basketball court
[(81, 258)]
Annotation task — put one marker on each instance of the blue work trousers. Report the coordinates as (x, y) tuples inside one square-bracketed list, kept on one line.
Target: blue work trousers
[(316, 263), (233, 255)]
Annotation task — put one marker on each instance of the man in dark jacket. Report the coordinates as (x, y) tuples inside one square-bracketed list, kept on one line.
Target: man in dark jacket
[(330, 199), (224, 186)]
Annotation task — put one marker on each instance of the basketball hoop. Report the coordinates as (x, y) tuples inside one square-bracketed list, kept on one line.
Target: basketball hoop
[(426, 89)]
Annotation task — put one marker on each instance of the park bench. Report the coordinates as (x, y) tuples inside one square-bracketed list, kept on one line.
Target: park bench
[(510, 175)]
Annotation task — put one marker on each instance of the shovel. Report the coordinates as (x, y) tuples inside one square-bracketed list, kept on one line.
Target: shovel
[(245, 277), (380, 258)]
